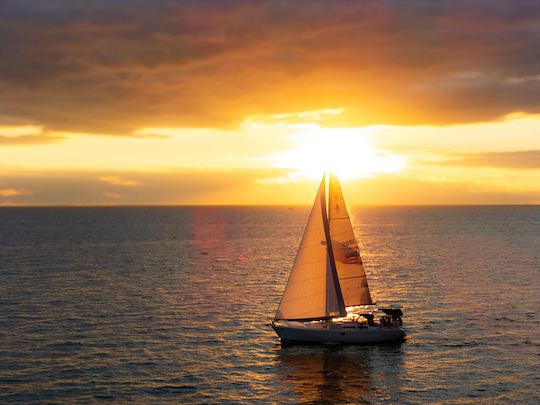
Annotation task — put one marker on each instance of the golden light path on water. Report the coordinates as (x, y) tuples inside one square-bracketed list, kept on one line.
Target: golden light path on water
[(347, 152)]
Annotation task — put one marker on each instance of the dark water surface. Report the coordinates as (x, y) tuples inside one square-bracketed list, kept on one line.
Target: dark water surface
[(170, 305)]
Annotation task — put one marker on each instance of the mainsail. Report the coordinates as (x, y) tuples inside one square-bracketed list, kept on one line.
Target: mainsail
[(313, 290), (351, 273)]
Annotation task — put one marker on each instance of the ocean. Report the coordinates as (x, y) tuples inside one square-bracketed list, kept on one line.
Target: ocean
[(170, 304)]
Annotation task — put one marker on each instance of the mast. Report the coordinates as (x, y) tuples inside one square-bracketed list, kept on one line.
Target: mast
[(330, 250)]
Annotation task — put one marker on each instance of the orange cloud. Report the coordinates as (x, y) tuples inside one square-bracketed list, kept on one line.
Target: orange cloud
[(17, 135), (119, 181), (123, 66), (527, 159), (247, 187), (9, 192)]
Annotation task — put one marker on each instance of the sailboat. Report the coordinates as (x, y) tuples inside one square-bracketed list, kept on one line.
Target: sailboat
[(327, 297)]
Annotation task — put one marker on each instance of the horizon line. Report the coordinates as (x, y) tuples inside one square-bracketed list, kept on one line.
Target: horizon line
[(259, 205)]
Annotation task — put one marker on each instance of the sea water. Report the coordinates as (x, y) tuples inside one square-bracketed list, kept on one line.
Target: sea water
[(170, 304)]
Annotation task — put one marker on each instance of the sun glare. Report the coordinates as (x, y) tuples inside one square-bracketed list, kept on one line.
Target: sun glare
[(346, 152)]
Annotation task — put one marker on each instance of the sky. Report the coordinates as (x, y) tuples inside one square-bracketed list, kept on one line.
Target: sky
[(248, 102)]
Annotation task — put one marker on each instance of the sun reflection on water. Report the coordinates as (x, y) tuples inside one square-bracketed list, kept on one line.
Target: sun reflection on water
[(339, 374)]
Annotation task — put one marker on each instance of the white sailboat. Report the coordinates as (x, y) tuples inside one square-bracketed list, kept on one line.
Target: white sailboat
[(327, 297)]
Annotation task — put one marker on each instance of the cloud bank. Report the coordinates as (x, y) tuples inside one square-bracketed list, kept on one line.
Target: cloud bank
[(114, 67), (527, 159), (236, 187)]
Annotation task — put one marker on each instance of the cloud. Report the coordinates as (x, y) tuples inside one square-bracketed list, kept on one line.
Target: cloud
[(9, 192), (114, 67), (164, 187), (119, 181), (529, 159), (26, 135), (242, 187), (28, 140)]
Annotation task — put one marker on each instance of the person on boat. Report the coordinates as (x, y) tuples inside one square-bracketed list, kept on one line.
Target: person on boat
[(396, 317), (370, 319)]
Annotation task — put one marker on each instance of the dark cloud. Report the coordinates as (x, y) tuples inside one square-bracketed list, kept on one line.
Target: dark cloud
[(529, 159), (106, 66)]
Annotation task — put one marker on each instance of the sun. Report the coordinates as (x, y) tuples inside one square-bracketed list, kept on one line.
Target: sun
[(344, 151)]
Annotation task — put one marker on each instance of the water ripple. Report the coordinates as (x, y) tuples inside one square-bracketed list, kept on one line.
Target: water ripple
[(170, 305)]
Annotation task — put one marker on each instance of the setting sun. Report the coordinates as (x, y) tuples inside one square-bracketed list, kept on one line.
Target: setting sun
[(346, 152)]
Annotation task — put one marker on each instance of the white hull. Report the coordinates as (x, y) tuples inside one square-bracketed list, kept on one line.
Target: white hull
[(338, 334)]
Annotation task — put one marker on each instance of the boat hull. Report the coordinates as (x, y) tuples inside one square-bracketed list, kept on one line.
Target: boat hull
[(374, 334)]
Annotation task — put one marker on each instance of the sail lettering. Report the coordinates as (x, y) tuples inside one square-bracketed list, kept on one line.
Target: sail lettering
[(349, 242)]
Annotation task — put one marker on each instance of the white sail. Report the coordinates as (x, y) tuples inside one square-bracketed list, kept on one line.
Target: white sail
[(312, 291), (351, 273)]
